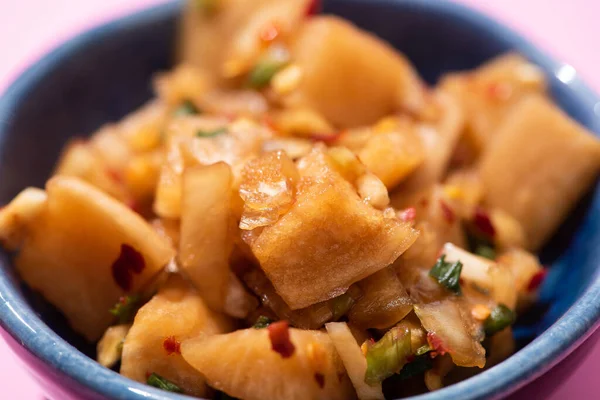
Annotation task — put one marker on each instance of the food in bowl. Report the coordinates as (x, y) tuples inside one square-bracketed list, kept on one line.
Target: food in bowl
[(297, 215)]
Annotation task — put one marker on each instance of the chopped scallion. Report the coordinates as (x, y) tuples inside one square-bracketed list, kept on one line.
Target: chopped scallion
[(500, 318), (262, 322), (447, 274), (162, 383)]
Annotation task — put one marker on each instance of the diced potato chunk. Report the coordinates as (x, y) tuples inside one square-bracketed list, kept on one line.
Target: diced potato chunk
[(328, 240), (541, 163), (393, 155), (244, 365), (18, 217), (234, 143), (439, 138), (206, 238), (79, 160), (383, 303), (268, 189), (488, 93), (85, 251), (224, 37), (110, 347), (175, 314), (351, 77)]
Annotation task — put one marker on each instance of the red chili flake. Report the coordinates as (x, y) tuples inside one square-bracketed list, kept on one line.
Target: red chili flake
[(537, 280), (436, 343), (423, 202), (114, 175), (129, 262), (320, 378), (270, 123), (408, 215), (148, 374), (133, 205), (328, 139), (410, 358), (313, 8), (172, 345), (483, 222), (269, 32), (279, 334), (499, 90), (447, 211)]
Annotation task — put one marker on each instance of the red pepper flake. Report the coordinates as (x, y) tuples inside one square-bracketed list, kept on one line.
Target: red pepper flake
[(410, 358), (279, 334), (499, 90), (313, 8), (320, 378), (129, 262), (436, 343), (447, 211), (172, 345), (328, 139), (408, 215), (269, 32), (483, 223), (537, 280), (114, 175), (148, 374)]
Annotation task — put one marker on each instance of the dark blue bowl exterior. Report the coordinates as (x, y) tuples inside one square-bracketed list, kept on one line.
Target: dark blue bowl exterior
[(102, 75)]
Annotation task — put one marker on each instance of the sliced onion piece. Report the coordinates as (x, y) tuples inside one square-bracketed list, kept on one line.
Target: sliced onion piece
[(354, 360), (450, 331)]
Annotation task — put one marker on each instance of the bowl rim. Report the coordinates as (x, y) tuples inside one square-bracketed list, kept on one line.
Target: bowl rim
[(548, 349)]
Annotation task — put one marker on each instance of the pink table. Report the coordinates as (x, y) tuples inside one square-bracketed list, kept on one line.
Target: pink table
[(568, 29)]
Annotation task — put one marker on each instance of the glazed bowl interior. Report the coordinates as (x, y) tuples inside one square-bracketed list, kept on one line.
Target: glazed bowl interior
[(104, 74)]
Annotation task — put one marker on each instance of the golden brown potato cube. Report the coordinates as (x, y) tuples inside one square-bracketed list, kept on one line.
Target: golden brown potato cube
[(391, 156), (152, 345), (268, 189), (206, 239), (351, 77), (490, 91), (79, 160), (17, 218), (540, 164), (246, 365), (224, 37), (384, 301), (328, 240), (439, 137), (85, 251)]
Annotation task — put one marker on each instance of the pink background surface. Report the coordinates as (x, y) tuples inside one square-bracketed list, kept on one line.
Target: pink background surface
[(567, 29)]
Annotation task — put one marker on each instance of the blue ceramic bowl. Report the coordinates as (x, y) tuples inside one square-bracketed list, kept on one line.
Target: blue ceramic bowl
[(105, 73)]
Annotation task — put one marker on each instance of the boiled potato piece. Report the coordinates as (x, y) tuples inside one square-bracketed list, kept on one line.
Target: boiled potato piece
[(328, 240), (175, 314), (383, 303), (224, 37), (244, 365), (393, 155), (268, 189), (110, 347), (86, 250), (488, 93), (541, 163), (351, 77), (201, 140), (439, 138), (18, 217), (79, 160), (207, 240)]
